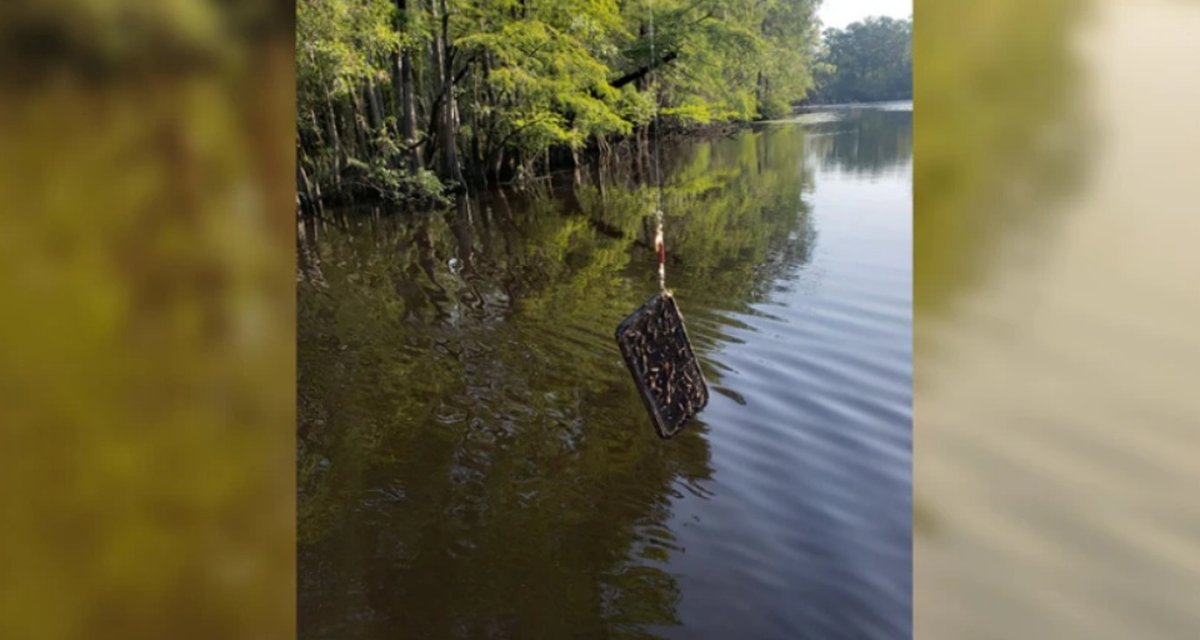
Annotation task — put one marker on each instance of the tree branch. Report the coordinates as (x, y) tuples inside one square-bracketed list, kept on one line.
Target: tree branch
[(637, 74)]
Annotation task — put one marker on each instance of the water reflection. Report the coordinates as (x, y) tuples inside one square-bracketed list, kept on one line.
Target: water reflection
[(473, 460), (863, 140)]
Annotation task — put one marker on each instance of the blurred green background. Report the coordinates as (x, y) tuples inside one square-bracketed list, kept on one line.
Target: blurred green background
[(1055, 420), (146, 333)]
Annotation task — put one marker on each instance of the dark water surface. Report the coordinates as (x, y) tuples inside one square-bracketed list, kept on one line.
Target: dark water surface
[(474, 461)]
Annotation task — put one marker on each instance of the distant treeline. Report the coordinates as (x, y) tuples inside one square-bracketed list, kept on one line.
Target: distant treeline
[(865, 62), (396, 98)]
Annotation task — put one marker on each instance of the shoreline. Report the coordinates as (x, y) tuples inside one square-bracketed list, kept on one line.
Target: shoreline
[(672, 131)]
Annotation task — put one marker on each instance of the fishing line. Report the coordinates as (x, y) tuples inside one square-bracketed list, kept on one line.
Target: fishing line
[(659, 241), (653, 339)]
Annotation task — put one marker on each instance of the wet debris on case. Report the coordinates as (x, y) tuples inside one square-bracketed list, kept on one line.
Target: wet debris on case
[(659, 355)]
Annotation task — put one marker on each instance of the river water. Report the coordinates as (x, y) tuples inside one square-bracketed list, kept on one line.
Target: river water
[(474, 461)]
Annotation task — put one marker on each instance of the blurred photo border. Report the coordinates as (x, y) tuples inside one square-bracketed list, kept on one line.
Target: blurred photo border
[(147, 363)]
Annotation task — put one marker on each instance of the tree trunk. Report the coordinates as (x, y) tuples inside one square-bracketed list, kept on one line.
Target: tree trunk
[(335, 137), (357, 121), (598, 176), (578, 178), (478, 173), (428, 108), (436, 92), (637, 154), (408, 120), (449, 125), (379, 102), (306, 201), (406, 116), (374, 109), (499, 166), (396, 67)]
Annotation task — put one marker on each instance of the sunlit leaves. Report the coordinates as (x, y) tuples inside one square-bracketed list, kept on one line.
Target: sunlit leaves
[(532, 76), (554, 87)]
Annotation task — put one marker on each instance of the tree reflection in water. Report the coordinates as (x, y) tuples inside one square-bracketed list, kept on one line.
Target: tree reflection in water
[(473, 460)]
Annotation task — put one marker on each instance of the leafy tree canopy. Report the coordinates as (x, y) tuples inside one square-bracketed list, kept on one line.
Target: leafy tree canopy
[(867, 61), (489, 86)]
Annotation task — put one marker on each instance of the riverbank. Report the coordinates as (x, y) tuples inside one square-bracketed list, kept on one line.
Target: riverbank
[(405, 101), (873, 104), (375, 182)]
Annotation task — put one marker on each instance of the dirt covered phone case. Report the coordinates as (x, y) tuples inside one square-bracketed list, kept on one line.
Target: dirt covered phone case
[(659, 355)]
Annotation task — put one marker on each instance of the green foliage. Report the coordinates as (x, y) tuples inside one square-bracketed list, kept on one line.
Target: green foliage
[(734, 58), (554, 87), (338, 43), (531, 76), (377, 180), (867, 61)]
